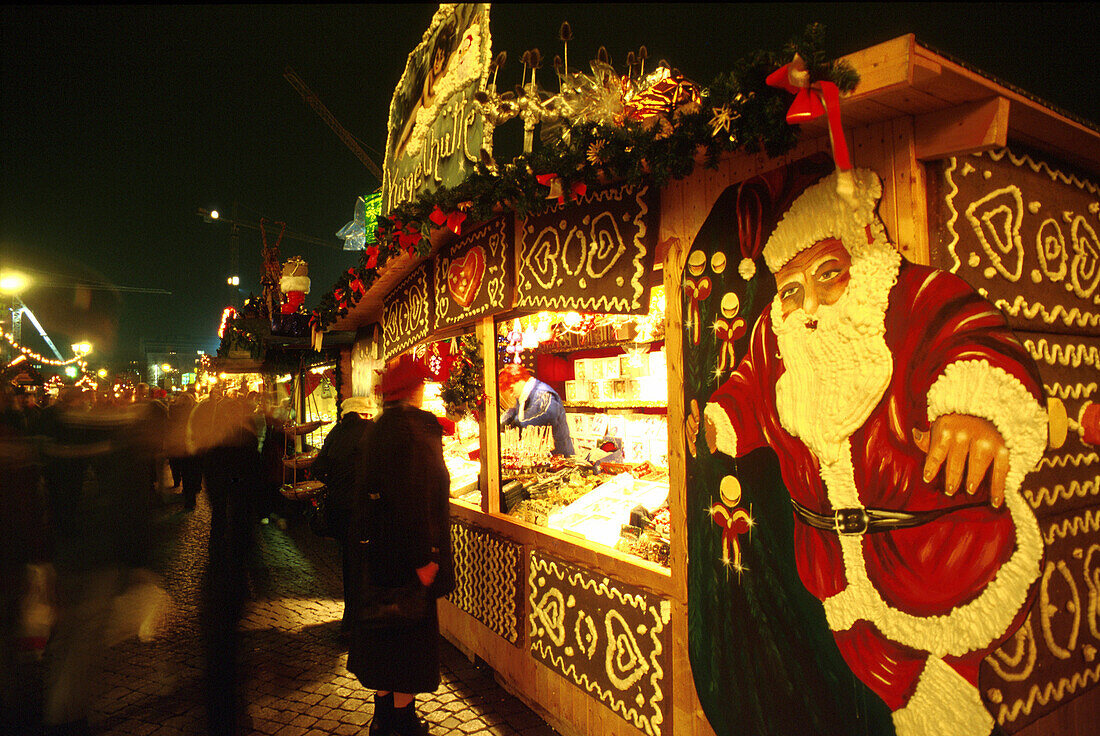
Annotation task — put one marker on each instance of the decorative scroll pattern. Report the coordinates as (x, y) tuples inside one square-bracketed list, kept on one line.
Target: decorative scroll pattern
[(592, 255), (476, 275), (608, 638), (1026, 236), (488, 578), (406, 319), (1053, 656)]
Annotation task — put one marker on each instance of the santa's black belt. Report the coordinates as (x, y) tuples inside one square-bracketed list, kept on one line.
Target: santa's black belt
[(853, 521)]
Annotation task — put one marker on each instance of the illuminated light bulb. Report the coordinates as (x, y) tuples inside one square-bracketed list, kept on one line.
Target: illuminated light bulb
[(214, 214)]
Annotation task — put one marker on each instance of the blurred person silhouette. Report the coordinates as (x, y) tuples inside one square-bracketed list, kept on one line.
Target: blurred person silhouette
[(231, 469), (186, 467), (336, 466), (96, 468), (400, 538), (26, 606), (532, 403), (273, 450)]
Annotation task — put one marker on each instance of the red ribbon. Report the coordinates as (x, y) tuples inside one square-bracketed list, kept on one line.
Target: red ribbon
[(371, 253), (452, 220), (811, 101), (408, 239)]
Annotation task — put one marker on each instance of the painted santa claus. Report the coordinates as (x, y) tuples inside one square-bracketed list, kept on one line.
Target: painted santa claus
[(905, 415)]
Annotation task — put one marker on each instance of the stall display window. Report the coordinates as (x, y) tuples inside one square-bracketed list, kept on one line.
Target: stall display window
[(584, 433)]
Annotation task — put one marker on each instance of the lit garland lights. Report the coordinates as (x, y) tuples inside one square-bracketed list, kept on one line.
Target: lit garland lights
[(77, 359)]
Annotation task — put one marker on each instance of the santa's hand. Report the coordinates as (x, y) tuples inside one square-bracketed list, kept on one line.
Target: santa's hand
[(692, 426), (959, 440)]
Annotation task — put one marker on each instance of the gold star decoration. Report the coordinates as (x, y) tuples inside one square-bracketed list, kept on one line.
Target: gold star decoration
[(720, 119), (595, 151)]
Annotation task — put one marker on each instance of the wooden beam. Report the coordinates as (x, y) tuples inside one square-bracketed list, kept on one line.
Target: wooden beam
[(490, 427), (971, 128)]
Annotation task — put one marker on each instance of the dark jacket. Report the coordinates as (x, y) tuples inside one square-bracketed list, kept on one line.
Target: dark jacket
[(336, 462)]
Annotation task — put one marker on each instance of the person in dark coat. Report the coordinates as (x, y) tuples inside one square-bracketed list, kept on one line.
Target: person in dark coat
[(336, 466), (231, 470), (186, 467), (401, 509)]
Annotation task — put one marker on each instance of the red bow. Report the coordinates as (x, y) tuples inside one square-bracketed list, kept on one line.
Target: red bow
[(811, 101), (371, 253), (356, 284), (453, 220), (408, 238)]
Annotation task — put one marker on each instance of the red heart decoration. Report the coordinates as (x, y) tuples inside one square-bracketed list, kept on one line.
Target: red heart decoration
[(464, 276)]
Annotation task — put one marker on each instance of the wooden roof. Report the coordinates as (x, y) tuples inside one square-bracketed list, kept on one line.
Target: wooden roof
[(902, 78)]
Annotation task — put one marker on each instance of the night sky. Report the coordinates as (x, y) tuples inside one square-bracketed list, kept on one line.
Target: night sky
[(117, 123)]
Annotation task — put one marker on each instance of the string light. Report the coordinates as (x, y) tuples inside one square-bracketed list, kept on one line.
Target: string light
[(39, 358)]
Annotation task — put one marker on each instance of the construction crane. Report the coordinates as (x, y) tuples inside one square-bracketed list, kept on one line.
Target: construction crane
[(341, 132)]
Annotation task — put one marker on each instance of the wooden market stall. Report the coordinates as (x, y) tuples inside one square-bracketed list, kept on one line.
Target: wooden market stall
[(978, 179)]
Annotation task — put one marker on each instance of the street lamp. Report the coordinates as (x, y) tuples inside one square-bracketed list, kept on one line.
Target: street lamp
[(81, 348), (13, 282)]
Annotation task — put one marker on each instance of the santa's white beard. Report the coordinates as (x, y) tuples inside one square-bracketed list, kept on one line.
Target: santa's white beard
[(836, 372)]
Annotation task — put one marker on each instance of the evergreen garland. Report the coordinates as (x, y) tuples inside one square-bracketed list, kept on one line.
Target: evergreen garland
[(630, 154)]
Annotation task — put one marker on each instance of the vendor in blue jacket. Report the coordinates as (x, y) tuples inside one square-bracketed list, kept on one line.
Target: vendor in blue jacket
[(533, 404)]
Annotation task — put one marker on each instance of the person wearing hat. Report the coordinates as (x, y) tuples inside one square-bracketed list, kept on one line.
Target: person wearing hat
[(401, 527), (533, 404), (886, 388), (336, 465)]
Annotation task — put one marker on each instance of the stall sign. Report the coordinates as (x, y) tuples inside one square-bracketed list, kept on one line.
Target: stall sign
[(593, 254), (436, 130), (476, 275), (406, 318)]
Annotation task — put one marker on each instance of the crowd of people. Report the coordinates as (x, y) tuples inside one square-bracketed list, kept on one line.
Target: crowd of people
[(82, 477)]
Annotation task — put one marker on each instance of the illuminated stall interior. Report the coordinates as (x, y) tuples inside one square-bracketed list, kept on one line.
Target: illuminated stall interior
[(610, 373)]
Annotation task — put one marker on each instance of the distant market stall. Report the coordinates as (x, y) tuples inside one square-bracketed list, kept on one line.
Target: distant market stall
[(657, 578)]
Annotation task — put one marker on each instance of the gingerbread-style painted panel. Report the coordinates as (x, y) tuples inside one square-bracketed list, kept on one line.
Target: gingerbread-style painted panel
[(475, 276), (591, 254), (1052, 658), (407, 317), (608, 638), (1068, 476), (1024, 234), (488, 578)]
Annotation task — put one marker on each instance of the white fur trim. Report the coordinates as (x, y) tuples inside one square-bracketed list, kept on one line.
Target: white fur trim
[(294, 283), (726, 436), (966, 628), (944, 703), (976, 388), (821, 212)]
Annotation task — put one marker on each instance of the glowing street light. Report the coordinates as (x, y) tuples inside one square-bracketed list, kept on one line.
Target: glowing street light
[(102, 373), (13, 282), (214, 214), (81, 348), (233, 281)]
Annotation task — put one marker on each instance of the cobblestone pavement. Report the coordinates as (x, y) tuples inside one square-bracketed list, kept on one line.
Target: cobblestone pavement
[(291, 655)]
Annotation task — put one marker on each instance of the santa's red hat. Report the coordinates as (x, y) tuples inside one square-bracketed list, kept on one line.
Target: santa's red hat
[(821, 212)]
